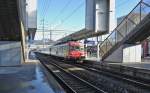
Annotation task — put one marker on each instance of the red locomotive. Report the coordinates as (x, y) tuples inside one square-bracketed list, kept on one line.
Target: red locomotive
[(72, 50)]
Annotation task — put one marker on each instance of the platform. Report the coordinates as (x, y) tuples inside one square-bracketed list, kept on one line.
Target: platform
[(93, 59), (27, 78), (142, 65)]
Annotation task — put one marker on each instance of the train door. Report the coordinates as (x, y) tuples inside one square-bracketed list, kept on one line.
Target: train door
[(67, 50)]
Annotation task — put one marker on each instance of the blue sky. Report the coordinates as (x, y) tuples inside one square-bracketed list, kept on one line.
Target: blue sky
[(123, 7), (76, 20), (51, 9)]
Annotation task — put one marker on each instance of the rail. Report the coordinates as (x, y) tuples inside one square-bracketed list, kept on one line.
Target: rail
[(73, 83), (138, 82), (130, 83)]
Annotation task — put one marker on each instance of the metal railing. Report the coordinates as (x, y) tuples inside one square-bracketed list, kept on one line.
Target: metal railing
[(141, 10)]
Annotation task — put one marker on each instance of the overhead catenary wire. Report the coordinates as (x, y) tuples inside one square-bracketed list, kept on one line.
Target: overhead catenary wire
[(71, 14), (62, 11), (43, 6), (124, 2), (47, 8), (57, 30)]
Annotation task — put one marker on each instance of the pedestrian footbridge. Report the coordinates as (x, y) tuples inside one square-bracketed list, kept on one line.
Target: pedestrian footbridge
[(133, 29)]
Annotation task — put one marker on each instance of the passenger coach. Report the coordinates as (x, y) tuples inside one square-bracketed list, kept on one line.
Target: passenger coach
[(72, 50)]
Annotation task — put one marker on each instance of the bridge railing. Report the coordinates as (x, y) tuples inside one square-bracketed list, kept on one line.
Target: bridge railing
[(141, 10)]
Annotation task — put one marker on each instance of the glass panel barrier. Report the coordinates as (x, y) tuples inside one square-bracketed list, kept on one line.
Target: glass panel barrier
[(109, 45), (122, 28), (146, 2), (103, 49), (112, 38), (144, 10)]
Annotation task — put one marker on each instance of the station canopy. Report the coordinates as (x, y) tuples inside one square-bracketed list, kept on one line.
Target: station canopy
[(82, 34)]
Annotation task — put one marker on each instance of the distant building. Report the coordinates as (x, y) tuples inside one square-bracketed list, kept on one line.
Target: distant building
[(120, 19)]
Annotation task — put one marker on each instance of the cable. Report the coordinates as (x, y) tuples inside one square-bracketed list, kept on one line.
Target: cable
[(47, 7), (44, 4), (62, 11), (122, 3), (40, 6), (70, 15)]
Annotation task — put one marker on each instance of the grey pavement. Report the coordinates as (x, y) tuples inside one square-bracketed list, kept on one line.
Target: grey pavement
[(27, 78)]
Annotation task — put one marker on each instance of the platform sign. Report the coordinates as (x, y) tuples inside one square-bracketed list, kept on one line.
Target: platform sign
[(89, 42)]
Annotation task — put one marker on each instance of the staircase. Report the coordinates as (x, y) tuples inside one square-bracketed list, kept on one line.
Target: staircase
[(134, 28)]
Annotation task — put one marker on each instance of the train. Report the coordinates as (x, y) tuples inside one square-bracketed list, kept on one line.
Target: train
[(72, 50)]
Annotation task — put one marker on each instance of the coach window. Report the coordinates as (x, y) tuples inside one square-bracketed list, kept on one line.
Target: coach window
[(77, 48), (74, 48)]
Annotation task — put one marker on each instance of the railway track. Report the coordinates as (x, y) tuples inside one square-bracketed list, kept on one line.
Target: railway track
[(131, 80), (93, 76), (144, 83), (73, 83), (140, 84)]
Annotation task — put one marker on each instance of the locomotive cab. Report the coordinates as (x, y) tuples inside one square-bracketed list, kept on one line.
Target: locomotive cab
[(72, 50), (76, 51)]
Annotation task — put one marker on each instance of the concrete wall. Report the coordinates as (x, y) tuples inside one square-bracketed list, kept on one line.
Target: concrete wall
[(116, 56), (125, 54), (11, 51), (32, 13), (100, 15), (22, 12), (10, 54), (89, 16), (112, 20), (23, 24), (132, 53)]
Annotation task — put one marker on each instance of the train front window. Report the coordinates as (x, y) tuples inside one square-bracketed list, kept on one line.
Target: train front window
[(81, 48), (74, 48), (77, 48)]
